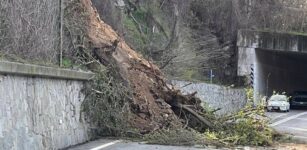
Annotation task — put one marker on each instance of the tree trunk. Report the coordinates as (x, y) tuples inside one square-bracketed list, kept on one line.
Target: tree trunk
[(152, 97)]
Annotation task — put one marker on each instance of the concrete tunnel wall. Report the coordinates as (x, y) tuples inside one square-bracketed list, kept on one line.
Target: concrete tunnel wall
[(280, 71), (249, 40)]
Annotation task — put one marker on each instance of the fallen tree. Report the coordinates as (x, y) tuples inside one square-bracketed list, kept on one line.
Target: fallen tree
[(153, 103), (130, 92)]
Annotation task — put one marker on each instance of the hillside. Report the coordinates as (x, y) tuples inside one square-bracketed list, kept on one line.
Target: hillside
[(135, 47), (187, 39)]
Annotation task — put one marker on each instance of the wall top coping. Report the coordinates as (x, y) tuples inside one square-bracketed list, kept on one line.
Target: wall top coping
[(14, 68)]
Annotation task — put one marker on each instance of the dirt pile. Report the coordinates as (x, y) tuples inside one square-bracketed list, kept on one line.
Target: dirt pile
[(154, 104), (129, 88)]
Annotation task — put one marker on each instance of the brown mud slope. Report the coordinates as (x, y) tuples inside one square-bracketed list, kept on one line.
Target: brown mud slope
[(155, 104)]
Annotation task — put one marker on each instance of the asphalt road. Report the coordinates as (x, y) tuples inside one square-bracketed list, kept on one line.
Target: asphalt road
[(293, 123), (105, 144)]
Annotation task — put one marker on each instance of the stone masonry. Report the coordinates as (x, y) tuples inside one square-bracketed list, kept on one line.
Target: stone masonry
[(37, 112)]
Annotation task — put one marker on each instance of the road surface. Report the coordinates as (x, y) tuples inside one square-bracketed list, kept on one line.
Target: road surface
[(104, 144), (293, 123)]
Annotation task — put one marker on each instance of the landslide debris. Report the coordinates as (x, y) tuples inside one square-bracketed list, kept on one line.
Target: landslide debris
[(153, 103), (130, 95)]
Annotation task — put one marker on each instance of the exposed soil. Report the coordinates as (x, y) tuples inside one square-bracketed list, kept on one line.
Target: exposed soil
[(154, 101)]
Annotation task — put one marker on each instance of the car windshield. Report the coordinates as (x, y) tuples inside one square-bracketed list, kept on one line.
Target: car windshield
[(300, 92), (278, 98), (300, 99)]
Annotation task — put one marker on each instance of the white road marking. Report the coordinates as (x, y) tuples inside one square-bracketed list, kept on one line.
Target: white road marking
[(287, 119), (279, 116), (106, 145), (298, 129), (303, 119), (301, 137)]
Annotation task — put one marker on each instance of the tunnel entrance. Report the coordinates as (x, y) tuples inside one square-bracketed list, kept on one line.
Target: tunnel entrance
[(279, 71)]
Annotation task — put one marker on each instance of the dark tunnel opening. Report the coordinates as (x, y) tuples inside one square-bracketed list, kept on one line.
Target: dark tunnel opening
[(280, 71)]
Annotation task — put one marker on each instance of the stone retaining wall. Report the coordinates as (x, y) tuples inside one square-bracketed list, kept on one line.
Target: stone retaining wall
[(230, 100), (40, 107)]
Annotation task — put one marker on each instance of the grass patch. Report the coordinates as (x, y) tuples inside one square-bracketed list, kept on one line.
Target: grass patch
[(67, 63), (134, 36), (189, 74)]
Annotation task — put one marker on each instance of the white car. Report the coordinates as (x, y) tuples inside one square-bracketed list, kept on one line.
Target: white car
[(278, 102)]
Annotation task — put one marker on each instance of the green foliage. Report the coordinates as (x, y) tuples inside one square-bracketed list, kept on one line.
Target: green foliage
[(107, 105), (209, 110), (188, 74), (67, 63), (249, 126), (139, 39), (135, 36), (141, 16), (139, 27), (193, 75), (250, 94)]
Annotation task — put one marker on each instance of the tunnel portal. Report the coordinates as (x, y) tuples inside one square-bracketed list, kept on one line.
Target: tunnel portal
[(280, 71)]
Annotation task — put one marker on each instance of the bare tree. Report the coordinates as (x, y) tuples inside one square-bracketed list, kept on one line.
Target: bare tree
[(30, 29)]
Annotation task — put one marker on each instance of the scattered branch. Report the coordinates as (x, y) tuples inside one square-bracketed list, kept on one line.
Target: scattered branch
[(167, 62)]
